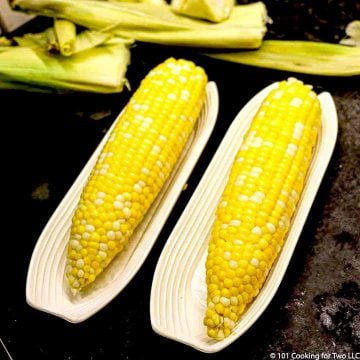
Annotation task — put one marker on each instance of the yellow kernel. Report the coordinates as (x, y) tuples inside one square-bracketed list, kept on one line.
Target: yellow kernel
[(212, 333), (227, 312), (94, 245), (234, 291), (216, 319), (209, 322), (212, 287), (219, 308), (225, 292), (227, 282), (244, 297), (209, 312), (111, 245), (124, 228), (237, 282)]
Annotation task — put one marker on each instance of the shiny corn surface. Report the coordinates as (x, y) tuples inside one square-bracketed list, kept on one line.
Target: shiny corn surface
[(257, 205), (134, 164)]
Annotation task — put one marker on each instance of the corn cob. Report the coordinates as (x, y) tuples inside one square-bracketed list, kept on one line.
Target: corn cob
[(133, 166), (256, 207)]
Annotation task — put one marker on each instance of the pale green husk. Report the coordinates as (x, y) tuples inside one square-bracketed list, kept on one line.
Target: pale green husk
[(30, 67), (65, 32), (153, 2), (306, 57), (212, 10), (4, 41), (158, 24), (52, 43), (91, 38)]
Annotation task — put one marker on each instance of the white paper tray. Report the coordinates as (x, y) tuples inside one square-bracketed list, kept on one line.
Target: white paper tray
[(178, 294), (46, 288)]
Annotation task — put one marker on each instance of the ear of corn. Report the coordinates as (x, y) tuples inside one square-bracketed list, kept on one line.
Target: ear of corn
[(213, 10), (133, 166), (256, 207)]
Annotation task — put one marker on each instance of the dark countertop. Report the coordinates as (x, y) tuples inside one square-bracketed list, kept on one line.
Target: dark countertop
[(317, 307)]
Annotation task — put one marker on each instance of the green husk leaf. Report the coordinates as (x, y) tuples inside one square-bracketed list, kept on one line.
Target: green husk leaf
[(89, 39), (52, 43), (34, 40), (158, 24), (65, 32), (99, 69), (212, 10), (13, 85), (153, 2), (5, 41), (306, 57)]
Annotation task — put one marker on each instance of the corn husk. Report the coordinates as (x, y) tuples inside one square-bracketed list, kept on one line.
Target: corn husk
[(98, 69), (306, 57), (91, 38), (65, 32), (212, 10), (52, 43), (5, 41), (158, 24), (38, 40), (153, 2)]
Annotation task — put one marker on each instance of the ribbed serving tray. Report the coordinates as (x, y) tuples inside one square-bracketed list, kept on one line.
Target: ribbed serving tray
[(178, 294), (46, 288)]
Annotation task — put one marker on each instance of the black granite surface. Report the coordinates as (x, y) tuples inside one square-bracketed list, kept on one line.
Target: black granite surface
[(317, 307)]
